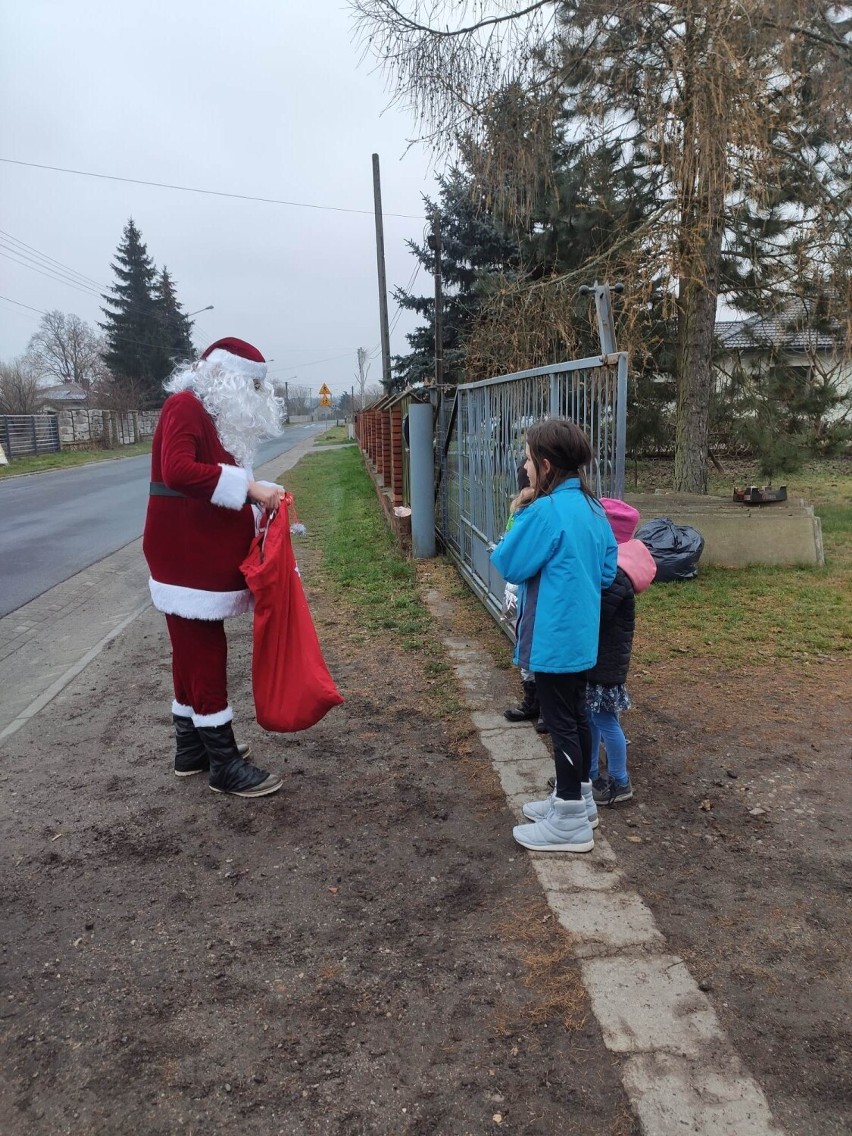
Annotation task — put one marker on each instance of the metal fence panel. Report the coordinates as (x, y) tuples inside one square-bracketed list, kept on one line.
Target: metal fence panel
[(23, 434), (482, 434)]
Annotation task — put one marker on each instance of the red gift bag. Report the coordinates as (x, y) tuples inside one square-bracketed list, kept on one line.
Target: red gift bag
[(292, 686)]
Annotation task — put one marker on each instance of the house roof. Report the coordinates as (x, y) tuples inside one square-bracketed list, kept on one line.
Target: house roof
[(64, 392), (783, 330)]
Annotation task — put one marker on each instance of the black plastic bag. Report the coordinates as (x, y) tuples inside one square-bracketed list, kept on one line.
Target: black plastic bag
[(675, 548)]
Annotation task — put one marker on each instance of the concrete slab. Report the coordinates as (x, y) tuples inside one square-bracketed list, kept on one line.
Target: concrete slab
[(508, 744), (785, 533), (594, 872), (524, 780), (673, 1096), (604, 922), (653, 1003)]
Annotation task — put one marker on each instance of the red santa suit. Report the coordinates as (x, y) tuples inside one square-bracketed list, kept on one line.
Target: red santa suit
[(198, 530)]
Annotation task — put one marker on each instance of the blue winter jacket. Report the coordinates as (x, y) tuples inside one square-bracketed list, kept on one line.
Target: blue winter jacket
[(562, 552)]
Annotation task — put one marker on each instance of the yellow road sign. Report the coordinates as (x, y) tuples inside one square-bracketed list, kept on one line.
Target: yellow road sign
[(324, 391), (325, 401)]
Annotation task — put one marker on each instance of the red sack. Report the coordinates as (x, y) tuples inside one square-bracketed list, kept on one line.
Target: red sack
[(292, 686)]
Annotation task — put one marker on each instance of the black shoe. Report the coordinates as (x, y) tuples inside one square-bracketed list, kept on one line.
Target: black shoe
[(190, 754), (540, 727), (228, 772), (527, 709), (608, 791)]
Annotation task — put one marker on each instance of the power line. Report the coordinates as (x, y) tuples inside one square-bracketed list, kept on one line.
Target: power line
[(43, 256), (208, 192), (9, 300), (37, 261)]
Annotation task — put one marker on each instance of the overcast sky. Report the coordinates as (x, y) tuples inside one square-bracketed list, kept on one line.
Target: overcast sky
[(260, 97)]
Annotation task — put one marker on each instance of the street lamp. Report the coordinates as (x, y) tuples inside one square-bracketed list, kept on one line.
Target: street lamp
[(209, 308)]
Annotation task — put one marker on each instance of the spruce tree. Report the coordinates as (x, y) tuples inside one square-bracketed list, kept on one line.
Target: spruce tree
[(175, 331), (132, 325), (473, 246)]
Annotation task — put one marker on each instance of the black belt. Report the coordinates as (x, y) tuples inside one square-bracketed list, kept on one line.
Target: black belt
[(158, 489)]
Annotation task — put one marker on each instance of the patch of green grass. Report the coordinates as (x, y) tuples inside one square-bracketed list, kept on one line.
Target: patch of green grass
[(334, 436), (758, 614), (39, 463), (364, 569), (748, 615), (360, 557)]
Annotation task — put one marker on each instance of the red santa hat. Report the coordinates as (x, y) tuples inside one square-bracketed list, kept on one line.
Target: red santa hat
[(237, 356)]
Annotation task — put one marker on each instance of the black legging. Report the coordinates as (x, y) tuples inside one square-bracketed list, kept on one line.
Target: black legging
[(562, 698)]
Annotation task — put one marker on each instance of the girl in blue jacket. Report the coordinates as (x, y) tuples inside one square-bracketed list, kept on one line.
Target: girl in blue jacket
[(562, 553)]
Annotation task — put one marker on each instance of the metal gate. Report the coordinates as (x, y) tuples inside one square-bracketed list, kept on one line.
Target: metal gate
[(481, 444), (23, 434)]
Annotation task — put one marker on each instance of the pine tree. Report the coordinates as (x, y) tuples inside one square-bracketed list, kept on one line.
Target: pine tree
[(132, 324)]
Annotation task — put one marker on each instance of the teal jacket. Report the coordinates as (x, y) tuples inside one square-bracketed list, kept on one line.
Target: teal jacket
[(562, 552)]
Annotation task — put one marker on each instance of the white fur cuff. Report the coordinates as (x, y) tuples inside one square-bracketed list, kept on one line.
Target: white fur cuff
[(195, 603), (220, 718), (182, 711), (232, 487)]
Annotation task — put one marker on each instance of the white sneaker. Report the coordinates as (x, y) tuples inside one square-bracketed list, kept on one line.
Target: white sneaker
[(566, 828), (538, 810)]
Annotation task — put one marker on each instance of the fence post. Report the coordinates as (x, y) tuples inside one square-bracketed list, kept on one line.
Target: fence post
[(620, 425), (422, 480)]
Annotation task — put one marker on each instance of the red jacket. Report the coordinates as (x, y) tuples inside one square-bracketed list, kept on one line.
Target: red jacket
[(194, 543)]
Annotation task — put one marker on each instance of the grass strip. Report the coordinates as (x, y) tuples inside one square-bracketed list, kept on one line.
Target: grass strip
[(333, 436), (362, 567), (40, 463)]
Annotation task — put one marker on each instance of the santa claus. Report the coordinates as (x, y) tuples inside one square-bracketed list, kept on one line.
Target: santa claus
[(199, 526)]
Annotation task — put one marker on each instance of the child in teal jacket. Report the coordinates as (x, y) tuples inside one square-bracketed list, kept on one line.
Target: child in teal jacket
[(562, 553)]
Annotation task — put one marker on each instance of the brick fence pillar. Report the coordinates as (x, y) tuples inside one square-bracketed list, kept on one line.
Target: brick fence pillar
[(396, 454)]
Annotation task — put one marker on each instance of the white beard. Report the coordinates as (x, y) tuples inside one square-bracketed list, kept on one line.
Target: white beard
[(243, 415)]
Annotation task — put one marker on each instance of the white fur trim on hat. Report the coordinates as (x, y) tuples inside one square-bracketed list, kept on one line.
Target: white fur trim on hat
[(228, 361), (220, 718), (194, 603), (181, 711), (231, 490)]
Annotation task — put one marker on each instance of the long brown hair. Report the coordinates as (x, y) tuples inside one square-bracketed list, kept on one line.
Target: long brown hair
[(566, 447)]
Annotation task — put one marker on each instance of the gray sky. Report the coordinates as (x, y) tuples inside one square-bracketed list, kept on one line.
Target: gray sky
[(260, 97)]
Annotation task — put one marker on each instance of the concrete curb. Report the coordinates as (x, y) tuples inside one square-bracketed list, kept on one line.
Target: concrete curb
[(679, 1068)]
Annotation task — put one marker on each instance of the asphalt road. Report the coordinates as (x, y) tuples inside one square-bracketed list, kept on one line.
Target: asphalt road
[(53, 525)]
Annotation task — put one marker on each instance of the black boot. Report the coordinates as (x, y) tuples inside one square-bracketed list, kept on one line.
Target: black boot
[(541, 726), (190, 754), (527, 709), (228, 772)]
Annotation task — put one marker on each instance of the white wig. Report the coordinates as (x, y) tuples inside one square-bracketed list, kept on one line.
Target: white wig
[(245, 409)]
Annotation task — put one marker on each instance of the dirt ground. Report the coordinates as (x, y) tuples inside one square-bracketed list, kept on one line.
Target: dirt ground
[(367, 951), (738, 839)]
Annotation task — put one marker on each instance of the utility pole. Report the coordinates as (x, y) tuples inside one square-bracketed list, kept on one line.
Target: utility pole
[(383, 287), (435, 245)]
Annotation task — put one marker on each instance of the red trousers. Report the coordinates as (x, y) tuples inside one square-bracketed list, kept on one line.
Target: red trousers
[(199, 663)]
